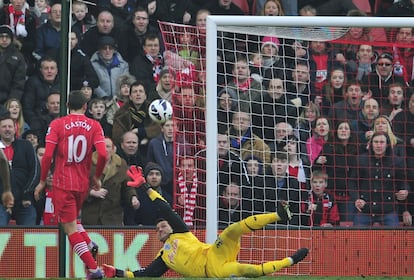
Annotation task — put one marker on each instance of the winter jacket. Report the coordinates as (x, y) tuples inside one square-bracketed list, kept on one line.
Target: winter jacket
[(35, 96), (108, 74), (12, 73)]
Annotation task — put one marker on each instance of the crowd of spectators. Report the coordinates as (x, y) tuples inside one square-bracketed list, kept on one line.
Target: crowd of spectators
[(326, 126)]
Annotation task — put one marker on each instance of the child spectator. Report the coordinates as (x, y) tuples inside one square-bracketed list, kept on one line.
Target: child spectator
[(87, 90), (256, 65), (320, 205), (81, 19), (41, 9), (123, 83), (49, 218), (33, 137), (253, 194), (97, 111)]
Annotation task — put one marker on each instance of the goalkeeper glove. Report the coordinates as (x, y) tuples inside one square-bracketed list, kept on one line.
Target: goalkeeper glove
[(109, 271), (135, 173)]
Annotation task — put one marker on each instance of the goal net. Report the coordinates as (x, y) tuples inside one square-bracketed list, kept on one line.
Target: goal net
[(284, 110)]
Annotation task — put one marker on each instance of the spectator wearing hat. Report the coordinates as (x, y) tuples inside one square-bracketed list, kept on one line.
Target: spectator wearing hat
[(104, 27), (104, 207), (12, 67), (23, 25), (123, 85), (376, 84), (38, 87), (147, 214), (48, 38), (81, 68), (147, 66), (109, 65), (273, 65), (165, 85)]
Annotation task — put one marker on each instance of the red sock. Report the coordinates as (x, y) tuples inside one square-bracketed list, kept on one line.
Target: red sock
[(84, 234), (79, 247)]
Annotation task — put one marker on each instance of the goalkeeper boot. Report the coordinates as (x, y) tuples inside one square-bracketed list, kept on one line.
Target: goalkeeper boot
[(109, 271), (95, 275), (299, 255), (94, 250), (283, 211)]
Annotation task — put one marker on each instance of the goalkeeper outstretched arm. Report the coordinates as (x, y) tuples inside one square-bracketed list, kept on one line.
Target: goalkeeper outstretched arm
[(155, 269), (166, 212)]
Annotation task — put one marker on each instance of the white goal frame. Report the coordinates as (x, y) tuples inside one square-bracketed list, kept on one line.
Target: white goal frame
[(213, 24)]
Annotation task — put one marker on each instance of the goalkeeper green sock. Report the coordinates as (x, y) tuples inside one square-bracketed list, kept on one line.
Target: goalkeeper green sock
[(255, 222), (153, 195), (274, 266)]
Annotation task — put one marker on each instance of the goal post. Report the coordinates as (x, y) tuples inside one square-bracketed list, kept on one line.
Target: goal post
[(225, 43), (294, 27)]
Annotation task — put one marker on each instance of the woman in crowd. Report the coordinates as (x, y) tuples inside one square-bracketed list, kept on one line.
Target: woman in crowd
[(340, 158), (14, 107)]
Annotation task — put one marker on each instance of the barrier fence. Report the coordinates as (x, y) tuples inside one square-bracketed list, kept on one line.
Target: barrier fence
[(33, 252)]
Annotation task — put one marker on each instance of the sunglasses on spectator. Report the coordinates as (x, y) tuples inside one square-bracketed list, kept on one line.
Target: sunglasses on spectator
[(384, 64)]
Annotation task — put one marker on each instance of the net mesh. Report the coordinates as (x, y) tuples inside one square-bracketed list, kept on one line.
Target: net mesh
[(293, 103)]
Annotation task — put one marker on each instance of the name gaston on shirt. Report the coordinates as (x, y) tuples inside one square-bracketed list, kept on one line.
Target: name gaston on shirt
[(81, 124)]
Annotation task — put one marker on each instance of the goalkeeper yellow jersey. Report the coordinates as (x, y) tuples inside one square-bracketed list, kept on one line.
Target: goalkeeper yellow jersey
[(185, 254)]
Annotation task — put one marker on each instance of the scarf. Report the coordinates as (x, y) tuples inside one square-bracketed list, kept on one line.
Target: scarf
[(157, 64), (245, 85), (137, 116), (17, 21), (189, 197)]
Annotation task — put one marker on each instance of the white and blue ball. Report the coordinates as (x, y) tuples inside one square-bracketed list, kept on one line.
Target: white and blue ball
[(160, 110)]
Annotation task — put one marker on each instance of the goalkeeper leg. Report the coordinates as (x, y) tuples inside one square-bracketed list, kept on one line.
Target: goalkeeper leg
[(259, 221), (235, 269)]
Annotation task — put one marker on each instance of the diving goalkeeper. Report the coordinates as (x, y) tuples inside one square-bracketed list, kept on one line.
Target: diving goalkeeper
[(186, 255)]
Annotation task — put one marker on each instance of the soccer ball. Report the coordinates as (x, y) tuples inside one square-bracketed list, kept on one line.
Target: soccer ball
[(160, 110)]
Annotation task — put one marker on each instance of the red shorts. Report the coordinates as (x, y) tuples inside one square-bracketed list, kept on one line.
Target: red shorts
[(68, 204)]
